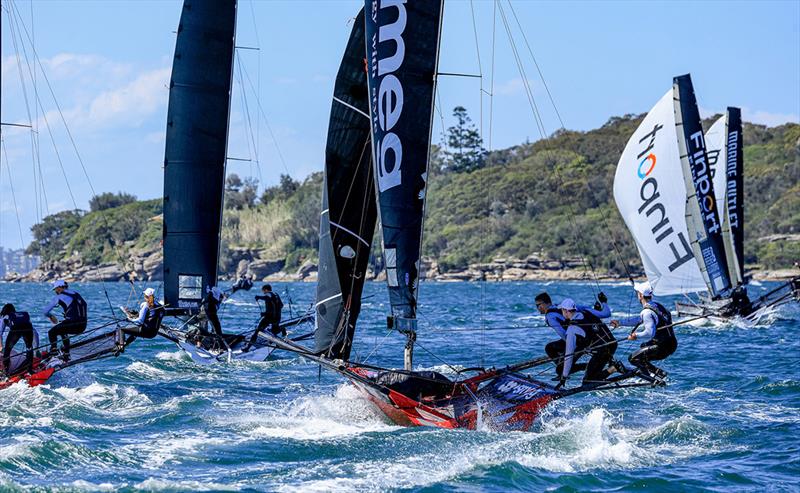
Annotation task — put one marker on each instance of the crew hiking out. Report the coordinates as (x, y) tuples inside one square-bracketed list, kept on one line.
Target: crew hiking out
[(586, 332), (75, 316)]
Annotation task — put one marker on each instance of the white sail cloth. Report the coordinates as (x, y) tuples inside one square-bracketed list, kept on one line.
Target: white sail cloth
[(651, 197)]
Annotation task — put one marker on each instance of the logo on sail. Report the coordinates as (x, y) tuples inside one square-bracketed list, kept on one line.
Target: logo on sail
[(387, 101), (652, 206)]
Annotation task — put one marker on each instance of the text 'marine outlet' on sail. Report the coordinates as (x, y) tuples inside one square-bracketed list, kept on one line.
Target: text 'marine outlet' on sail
[(347, 220), (651, 198), (196, 146), (402, 41), (724, 143), (702, 218)]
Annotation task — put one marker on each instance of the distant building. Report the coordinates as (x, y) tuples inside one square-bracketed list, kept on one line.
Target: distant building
[(16, 261)]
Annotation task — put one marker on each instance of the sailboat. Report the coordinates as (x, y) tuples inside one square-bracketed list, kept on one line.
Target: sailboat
[(194, 179), (96, 342), (685, 216), (402, 49)]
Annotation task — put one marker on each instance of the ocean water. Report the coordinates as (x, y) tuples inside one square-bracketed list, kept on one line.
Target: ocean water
[(152, 420)]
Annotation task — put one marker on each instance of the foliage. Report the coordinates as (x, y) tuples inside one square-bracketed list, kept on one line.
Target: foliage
[(240, 194), (50, 237), (464, 151), (110, 200)]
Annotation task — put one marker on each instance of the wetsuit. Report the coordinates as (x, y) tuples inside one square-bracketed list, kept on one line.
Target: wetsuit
[(556, 349), (586, 333), (211, 305), (658, 342), (270, 317), (19, 327), (147, 323), (74, 323)]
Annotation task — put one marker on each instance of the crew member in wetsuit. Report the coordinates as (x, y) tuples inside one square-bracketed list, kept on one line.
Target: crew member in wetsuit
[(148, 319), (740, 302), (75, 316), (586, 332), (553, 317), (270, 317), (243, 283), (18, 325), (211, 305), (656, 331)]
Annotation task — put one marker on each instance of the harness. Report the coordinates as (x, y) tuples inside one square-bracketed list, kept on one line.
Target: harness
[(19, 322), (77, 309), (152, 321), (272, 305), (664, 320), (597, 332)]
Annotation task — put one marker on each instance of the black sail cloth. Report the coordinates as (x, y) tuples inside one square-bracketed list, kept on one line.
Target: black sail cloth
[(347, 221), (402, 41), (196, 147)]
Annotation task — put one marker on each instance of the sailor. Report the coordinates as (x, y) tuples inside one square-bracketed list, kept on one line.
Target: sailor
[(211, 305), (553, 317), (148, 320), (740, 302), (586, 333), (75, 316), (244, 283), (270, 317), (656, 332), (18, 325)]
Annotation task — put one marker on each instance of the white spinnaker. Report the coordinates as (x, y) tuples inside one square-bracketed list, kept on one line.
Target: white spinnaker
[(716, 143), (651, 197)]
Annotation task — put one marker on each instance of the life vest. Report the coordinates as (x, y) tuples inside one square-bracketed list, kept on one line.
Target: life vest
[(152, 321), (664, 320), (19, 322), (76, 309), (272, 305), (597, 332)]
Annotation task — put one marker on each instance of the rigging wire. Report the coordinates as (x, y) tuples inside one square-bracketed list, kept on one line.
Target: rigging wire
[(11, 186)]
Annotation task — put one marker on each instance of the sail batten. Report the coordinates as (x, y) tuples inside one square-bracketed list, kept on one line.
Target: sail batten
[(702, 217), (196, 149), (347, 220), (402, 43)]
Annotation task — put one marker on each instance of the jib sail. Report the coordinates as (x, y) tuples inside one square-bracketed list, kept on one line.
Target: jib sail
[(196, 146), (702, 218), (347, 221), (724, 142), (651, 198), (402, 42)]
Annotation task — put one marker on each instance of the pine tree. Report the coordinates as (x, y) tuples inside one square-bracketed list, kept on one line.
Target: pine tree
[(465, 150)]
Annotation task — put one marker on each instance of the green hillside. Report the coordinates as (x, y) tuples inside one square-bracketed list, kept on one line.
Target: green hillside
[(551, 198)]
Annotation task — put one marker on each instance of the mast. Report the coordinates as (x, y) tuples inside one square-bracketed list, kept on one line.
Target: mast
[(651, 199), (402, 42), (347, 220), (196, 148), (702, 218)]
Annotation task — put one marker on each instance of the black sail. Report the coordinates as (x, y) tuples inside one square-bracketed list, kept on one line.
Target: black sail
[(402, 55), (347, 221), (703, 219), (196, 146), (734, 171)]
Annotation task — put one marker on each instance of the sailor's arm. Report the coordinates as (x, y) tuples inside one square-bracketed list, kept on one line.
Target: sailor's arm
[(648, 328), (142, 314), (47, 313), (627, 322), (569, 352), (603, 312)]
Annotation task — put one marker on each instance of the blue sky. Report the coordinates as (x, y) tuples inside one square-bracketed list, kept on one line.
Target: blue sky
[(109, 64)]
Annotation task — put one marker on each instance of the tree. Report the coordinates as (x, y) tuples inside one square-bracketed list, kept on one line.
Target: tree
[(110, 200), (52, 234), (285, 189), (465, 150)]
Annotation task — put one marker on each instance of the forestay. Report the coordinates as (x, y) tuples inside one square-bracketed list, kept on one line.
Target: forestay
[(347, 221), (196, 146), (702, 218), (402, 41), (652, 199)]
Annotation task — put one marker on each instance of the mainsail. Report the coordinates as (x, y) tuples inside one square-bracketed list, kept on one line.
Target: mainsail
[(724, 142), (196, 146), (702, 218), (652, 199), (402, 42), (347, 221)]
